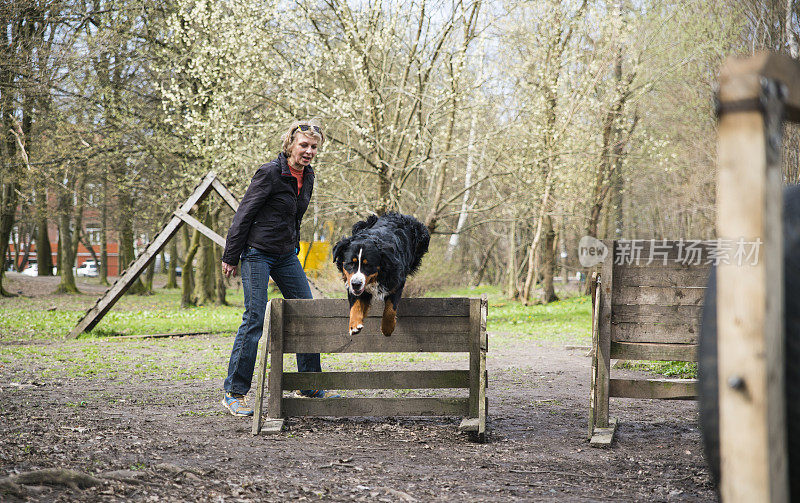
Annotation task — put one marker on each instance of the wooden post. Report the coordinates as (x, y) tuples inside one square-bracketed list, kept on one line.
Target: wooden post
[(482, 371), (750, 337), (275, 409), (595, 292), (474, 355), (262, 369), (604, 339)]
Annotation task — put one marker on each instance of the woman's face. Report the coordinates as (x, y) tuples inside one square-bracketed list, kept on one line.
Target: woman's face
[(303, 150)]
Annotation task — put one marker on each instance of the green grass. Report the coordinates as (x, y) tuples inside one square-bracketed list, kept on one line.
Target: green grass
[(678, 370), (568, 320), (53, 318), (100, 357)]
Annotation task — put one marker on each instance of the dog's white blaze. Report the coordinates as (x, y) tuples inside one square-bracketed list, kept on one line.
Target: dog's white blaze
[(358, 274)]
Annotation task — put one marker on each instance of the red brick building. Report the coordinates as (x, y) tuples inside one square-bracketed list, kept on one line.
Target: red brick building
[(91, 233)]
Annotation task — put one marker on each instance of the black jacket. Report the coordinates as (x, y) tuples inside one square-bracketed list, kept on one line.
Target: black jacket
[(270, 212)]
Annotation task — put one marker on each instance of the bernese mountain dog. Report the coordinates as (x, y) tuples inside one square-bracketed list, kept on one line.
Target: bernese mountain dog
[(375, 262)]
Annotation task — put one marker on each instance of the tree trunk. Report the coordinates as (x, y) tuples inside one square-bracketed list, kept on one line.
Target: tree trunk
[(126, 240), (67, 255), (103, 265), (88, 245), (8, 206), (9, 185), (148, 278), (25, 257), (204, 274), (78, 212), (187, 300), (44, 254), (549, 261), (215, 265), (530, 278), (173, 263), (791, 38), (511, 282)]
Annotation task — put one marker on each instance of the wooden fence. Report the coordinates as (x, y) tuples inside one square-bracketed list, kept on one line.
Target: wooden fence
[(449, 325), (648, 301)]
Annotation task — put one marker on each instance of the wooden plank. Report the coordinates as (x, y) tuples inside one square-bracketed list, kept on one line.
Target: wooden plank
[(113, 294), (663, 276), (349, 407), (660, 296), (272, 426), (336, 308), (474, 355), (374, 342), (654, 352), (593, 352), (483, 401), (752, 425), (603, 437), (648, 253), (739, 80), (660, 333), (644, 313), (303, 326), (469, 424), (261, 370), (275, 407), (662, 389), (226, 195), (197, 224), (387, 379), (603, 350), (157, 336)]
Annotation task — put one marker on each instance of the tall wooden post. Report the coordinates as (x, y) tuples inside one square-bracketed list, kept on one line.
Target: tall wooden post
[(752, 104)]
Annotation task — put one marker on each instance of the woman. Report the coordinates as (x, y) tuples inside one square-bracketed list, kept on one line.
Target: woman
[(265, 234)]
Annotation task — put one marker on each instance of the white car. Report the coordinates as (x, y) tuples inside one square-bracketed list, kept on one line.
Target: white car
[(31, 270), (88, 270)]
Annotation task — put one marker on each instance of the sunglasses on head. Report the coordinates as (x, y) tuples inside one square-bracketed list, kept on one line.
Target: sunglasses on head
[(306, 127)]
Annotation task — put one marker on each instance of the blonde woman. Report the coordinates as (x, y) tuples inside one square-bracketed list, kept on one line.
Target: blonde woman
[(265, 237)]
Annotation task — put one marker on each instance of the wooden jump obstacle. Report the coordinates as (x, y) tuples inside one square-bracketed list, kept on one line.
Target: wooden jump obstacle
[(755, 96), (647, 305), (423, 325), (209, 183)]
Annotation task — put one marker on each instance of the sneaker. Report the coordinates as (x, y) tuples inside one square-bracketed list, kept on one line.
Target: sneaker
[(237, 404), (316, 393)]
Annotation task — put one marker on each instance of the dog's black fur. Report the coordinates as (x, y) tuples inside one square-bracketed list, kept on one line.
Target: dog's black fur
[(391, 248)]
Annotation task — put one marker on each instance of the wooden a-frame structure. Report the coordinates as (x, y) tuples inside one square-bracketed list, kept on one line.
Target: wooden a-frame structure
[(181, 215)]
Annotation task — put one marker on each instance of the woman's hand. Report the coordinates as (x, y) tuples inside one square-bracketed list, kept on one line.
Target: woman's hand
[(229, 270)]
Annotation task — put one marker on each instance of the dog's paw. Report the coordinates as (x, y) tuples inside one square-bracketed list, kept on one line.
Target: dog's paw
[(356, 329), (387, 327)]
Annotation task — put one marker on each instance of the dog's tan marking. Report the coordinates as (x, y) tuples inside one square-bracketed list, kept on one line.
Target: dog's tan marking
[(389, 318), (357, 314)]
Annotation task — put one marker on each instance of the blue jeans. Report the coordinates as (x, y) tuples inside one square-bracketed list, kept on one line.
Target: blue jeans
[(256, 268)]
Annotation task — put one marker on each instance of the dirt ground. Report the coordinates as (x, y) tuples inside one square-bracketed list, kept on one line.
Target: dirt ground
[(153, 439)]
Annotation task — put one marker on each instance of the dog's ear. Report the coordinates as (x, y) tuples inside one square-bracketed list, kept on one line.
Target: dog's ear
[(338, 252)]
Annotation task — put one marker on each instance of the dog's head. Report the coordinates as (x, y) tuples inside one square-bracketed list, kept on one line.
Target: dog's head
[(359, 261)]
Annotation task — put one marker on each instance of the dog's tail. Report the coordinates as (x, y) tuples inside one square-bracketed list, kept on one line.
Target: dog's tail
[(364, 224)]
